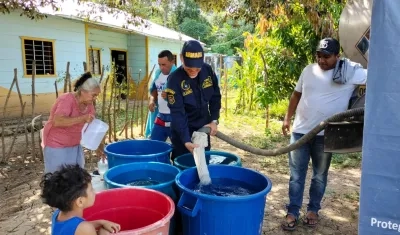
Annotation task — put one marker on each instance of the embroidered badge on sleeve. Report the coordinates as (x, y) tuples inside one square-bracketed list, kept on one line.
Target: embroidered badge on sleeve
[(171, 99), (207, 82)]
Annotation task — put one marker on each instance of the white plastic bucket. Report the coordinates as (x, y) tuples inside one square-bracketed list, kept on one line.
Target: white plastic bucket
[(93, 133)]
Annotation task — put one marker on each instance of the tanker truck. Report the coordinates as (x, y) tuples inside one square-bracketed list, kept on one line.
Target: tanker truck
[(343, 131)]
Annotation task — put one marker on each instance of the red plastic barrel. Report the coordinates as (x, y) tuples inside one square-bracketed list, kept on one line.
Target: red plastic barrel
[(137, 210)]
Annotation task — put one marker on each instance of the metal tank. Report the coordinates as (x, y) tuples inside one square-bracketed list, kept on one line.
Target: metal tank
[(354, 34), (354, 28)]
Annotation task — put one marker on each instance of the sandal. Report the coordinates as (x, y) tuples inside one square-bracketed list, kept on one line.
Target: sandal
[(289, 226), (310, 222)]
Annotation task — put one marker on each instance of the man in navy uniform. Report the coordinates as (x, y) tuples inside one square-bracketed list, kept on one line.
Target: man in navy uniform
[(194, 98)]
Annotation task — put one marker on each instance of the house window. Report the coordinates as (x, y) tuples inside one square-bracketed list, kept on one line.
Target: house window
[(94, 61), (42, 51), (174, 55)]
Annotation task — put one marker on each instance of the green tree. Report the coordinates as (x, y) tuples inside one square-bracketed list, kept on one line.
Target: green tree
[(321, 13), (196, 29), (30, 8), (274, 56), (228, 36), (188, 19), (186, 9)]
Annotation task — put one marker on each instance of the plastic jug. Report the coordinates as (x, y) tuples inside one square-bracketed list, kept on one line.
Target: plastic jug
[(93, 133)]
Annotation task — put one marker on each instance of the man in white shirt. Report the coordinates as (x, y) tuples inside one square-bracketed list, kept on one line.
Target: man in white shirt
[(161, 129), (316, 97)]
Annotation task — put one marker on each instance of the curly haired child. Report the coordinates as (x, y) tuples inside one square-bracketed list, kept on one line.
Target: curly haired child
[(70, 191)]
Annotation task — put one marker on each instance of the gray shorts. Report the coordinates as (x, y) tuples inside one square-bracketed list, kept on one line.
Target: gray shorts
[(56, 157)]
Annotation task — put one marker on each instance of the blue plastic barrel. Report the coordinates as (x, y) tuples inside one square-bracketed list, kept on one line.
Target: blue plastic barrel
[(186, 161), (164, 174), (129, 151), (235, 215)]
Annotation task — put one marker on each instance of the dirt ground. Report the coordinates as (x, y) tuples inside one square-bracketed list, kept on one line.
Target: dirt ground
[(22, 212)]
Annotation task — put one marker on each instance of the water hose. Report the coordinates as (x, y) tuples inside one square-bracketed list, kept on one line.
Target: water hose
[(307, 137)]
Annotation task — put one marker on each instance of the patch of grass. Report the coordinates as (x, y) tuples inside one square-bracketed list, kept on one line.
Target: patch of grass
[(332, 193), (254, 129), (120, 114), (278, 110), (350, 160), (251, 128), (354, 196)]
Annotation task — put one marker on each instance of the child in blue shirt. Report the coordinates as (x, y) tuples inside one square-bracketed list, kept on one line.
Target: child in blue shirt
[(70, 191)]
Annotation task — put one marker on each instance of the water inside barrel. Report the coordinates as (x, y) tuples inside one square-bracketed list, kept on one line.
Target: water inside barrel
[(143, 182), (225, 188), (221, 160)]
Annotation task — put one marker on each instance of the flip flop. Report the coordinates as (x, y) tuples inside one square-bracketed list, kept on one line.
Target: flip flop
[(289, 226), (308, 221)]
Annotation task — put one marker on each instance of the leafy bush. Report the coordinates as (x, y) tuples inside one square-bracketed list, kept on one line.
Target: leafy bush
[(279, 109)]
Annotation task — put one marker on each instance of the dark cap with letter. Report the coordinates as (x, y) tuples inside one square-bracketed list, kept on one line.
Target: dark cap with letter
[(193, 54), (329, 46)]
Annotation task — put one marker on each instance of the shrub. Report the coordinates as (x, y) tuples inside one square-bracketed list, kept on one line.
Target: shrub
[(278, 110)]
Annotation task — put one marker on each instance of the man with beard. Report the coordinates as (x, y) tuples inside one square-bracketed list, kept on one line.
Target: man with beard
[(323, 89)]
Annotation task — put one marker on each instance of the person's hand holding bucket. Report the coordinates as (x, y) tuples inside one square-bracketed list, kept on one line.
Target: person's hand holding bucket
[(88, 118), (93, 135)]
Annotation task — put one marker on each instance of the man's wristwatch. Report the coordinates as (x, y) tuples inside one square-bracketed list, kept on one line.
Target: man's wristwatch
[(215, 121)]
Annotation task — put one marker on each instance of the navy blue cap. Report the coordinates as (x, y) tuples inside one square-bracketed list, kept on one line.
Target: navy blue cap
[(193, 54), (329, 46)]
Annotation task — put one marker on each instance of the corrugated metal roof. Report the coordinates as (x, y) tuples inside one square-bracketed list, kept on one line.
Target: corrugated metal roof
[(101, 15)]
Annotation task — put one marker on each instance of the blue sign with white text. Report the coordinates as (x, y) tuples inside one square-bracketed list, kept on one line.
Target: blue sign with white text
[(380, 180)]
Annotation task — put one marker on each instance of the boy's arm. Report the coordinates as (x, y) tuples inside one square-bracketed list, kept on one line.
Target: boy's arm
[(107, 225), (86, 228), (97, 223)]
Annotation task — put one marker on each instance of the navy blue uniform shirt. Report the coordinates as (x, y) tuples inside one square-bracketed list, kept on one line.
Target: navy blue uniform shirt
[(193, 102)]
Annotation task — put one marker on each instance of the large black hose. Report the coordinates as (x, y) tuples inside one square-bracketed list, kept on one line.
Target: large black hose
[(307, 137)]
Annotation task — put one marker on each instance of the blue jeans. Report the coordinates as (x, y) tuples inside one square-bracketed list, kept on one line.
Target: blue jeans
[(161, 133), (298, 164)]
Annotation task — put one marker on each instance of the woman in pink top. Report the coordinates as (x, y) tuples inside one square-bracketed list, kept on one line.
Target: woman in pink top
[(62, 132)]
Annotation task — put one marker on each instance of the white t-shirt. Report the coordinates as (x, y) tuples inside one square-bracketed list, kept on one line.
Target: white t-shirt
[(162, 104), (322, 97)]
